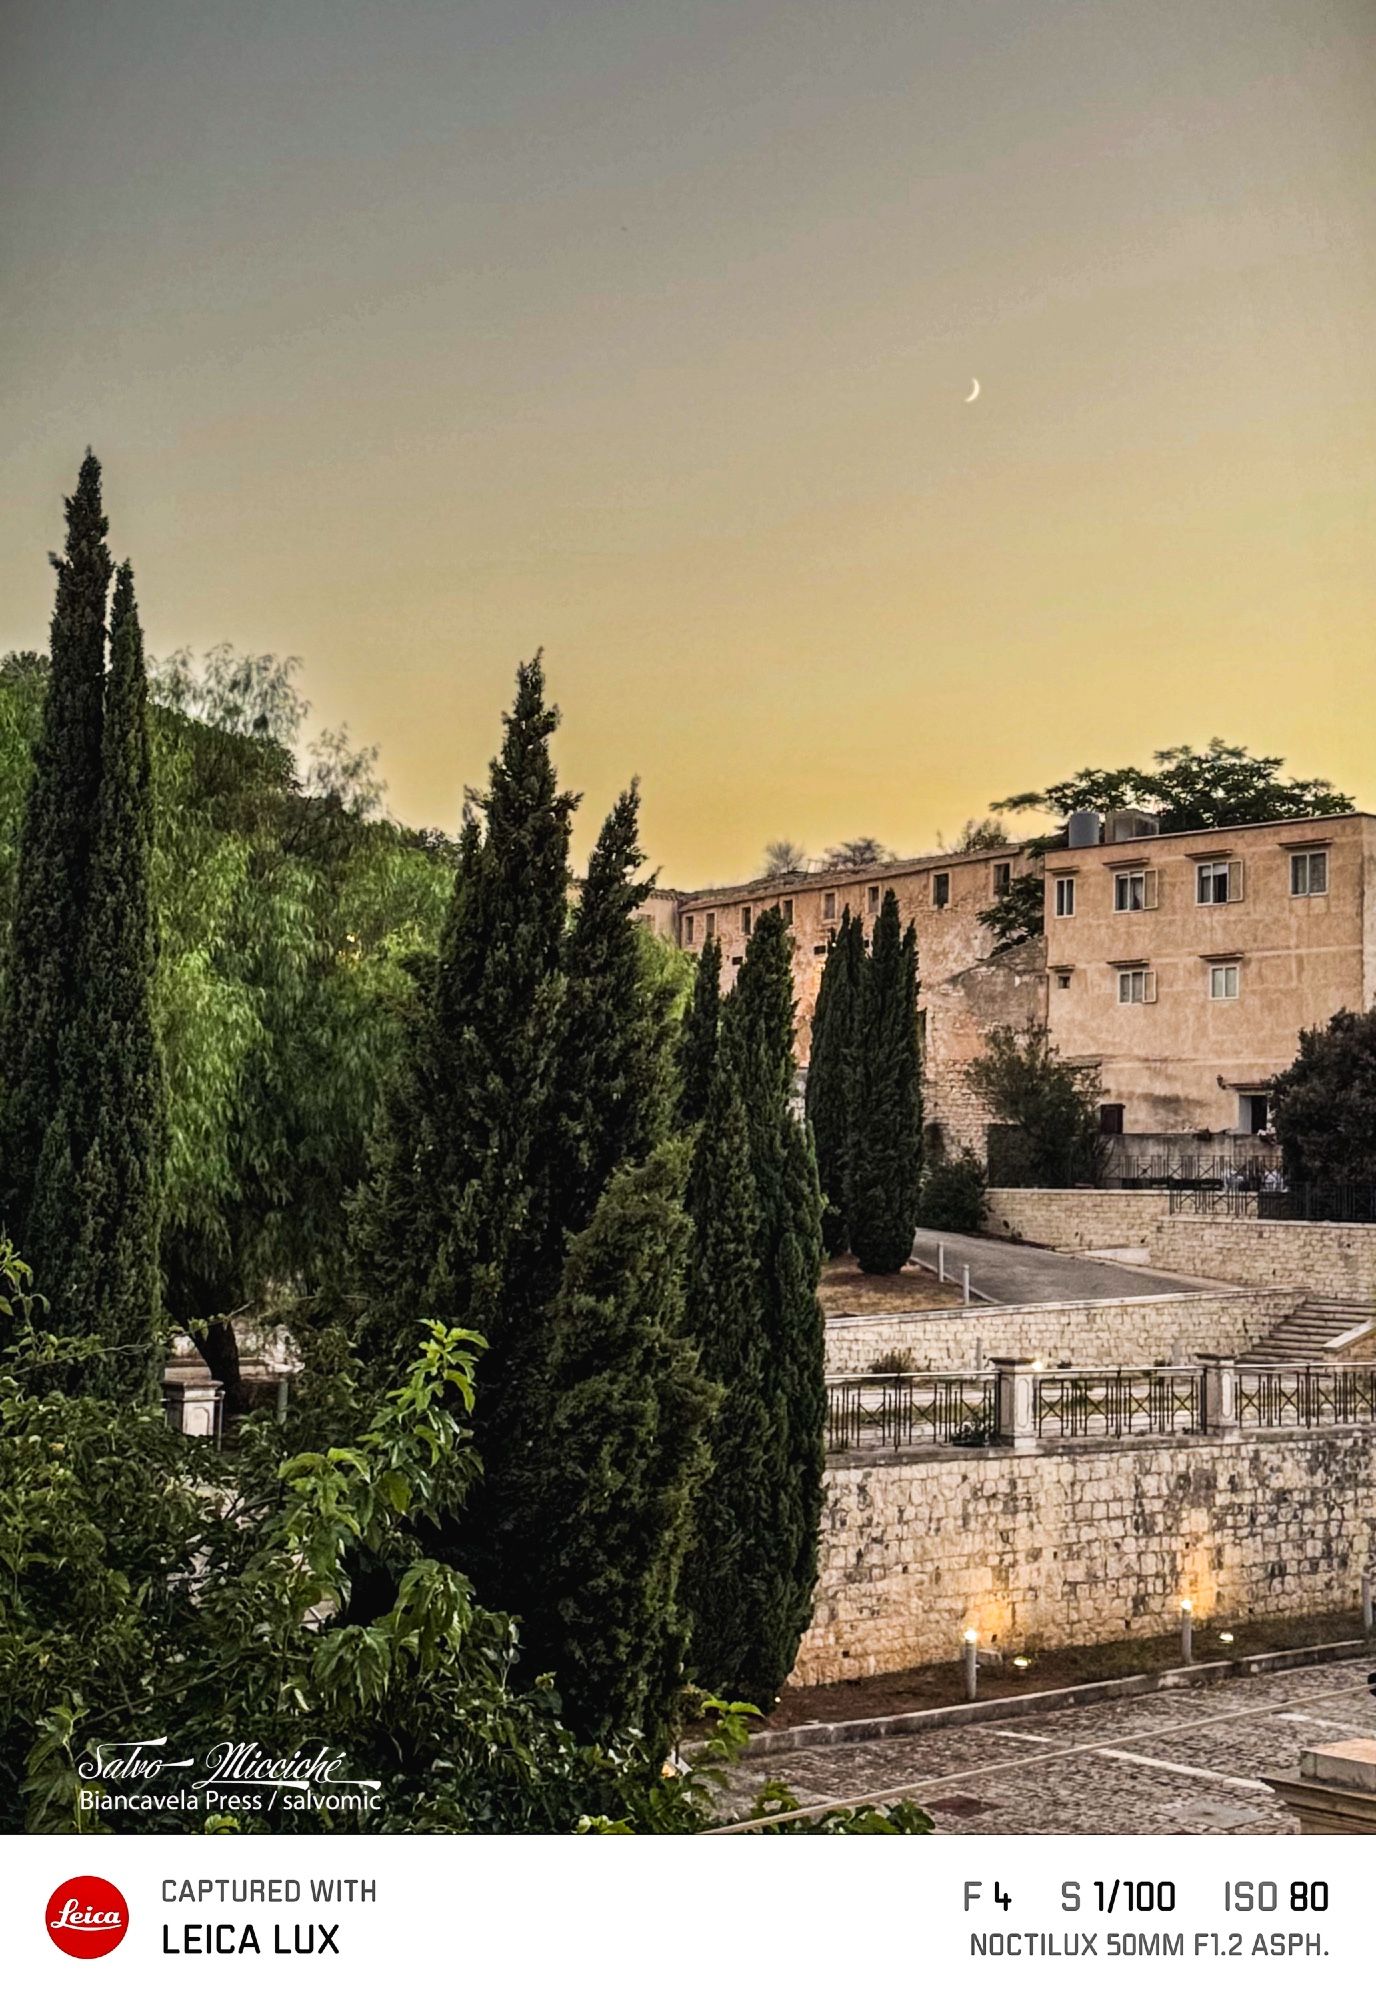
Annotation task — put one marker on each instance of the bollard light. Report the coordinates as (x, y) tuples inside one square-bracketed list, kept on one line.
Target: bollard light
[(1186, 1631), (1021, 1662), (1368, 1618), (971, 1663), (1225, 1638)]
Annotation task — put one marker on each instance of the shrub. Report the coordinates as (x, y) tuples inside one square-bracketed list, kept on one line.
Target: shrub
[(953, 1195)]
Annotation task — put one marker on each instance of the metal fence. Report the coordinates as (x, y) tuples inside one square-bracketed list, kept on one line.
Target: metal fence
[(1301, 1398), (1126, 1402), (1277, 1204), (871, 1412)]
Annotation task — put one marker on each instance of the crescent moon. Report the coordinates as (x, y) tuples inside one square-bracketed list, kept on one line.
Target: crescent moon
[(974, 389)]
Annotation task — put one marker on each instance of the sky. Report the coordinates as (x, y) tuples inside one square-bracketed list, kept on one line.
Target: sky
[(416, 336)]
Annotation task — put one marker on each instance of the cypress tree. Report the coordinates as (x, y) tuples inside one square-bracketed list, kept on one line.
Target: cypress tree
[(43, 963), (886, 1145), (697, 1047), (614, 1507), (755, 1565), (111, 1282), (829, 1079)]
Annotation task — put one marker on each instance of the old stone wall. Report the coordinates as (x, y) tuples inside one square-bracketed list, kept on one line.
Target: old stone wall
[(1079, 1218), (1332, 1259), (1095, 1333), (1083, 1544)]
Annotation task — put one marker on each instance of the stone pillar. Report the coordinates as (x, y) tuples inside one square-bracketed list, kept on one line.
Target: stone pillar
[(1334, 1790), (1220, 1395), (192, 1397), (1014, 1403)]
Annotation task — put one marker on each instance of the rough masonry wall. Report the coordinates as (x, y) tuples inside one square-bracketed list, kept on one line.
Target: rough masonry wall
[(1081, 1218), (1097, 1333), (1082, 1545), (1330, 1259)]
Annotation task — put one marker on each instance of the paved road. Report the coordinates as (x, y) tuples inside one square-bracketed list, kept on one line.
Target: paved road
[(1189, 1761), (1012, 1274)]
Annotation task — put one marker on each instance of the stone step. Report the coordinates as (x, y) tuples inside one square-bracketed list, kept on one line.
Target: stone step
[(1304, 1338)]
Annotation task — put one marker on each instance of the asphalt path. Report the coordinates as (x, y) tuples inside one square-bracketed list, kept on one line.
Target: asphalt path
[(1014, 1274)]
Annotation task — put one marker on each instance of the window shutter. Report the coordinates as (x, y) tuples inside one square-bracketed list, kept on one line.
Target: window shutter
[(1235, 881), (1149, 881), (1148, 986)]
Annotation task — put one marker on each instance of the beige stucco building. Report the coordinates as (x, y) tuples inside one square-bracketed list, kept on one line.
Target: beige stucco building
[(1187, 964)]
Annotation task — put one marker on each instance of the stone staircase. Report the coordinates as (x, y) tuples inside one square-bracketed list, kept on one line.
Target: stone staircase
[(1302, 1340)]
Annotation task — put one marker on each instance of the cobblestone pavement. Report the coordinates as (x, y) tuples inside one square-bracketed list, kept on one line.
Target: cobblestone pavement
[(1189, 1760), (1014, 1274)]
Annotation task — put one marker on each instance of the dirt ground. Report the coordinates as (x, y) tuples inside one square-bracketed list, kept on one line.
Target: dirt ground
[(943, 1685), (846, 1289)]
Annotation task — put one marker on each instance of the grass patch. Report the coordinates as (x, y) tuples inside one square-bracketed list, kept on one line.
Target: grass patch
[(847, 1290)]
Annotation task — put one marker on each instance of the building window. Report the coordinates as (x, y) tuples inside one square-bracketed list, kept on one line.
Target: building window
[(1135, 890), (747, 918), (1309, 873), (1253, 1110), (1063, 980), (1136, 986), (941, 890), (785, 910), (873, 894), (709, 925), (1111, 1120), (1065, 895), (1218, 882), (1003, 877), (1223, 982), (828, 905), (688, 927)]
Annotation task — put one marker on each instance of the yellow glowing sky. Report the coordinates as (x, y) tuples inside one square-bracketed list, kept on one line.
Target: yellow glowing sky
[(414, 336)]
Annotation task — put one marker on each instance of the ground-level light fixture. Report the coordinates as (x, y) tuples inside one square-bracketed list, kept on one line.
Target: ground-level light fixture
[(1186, 1630), (1021, 1662), (1225, 1638), (970, 1661)]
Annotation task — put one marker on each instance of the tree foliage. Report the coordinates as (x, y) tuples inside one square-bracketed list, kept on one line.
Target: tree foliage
[(697, 1045), (862, 852), (885, 1156), (1018, 913), (1323, 1107), (784, 857), (1221, 785), (1050, 1107), (753, 1308), (830, 1075), (145, 1593)]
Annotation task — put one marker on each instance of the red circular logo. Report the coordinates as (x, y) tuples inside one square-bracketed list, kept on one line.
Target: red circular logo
[(87, 1916)]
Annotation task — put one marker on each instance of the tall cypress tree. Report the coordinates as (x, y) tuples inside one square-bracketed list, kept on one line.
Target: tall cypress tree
[(829, 1079), (111, 1282), (697, 1046), (43, 963), (886, 1143), (611, 1519), (752, 1596)]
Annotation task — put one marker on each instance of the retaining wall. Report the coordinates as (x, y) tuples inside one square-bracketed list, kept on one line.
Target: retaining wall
[(1092, 1333), (1332, 1259), (1082, 1544), (1077, 1218)]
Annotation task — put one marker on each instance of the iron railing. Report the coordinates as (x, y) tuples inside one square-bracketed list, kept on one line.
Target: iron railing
[(1277, 1203), (874, 1412), (1302, 1398), (1127, 1402)]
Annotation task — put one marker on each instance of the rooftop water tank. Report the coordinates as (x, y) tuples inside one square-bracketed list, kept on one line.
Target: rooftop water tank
[(1083, 830)]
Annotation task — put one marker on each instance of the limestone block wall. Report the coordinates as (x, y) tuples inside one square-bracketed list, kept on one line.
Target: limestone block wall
[(1094, 1333), (1083, 1544), (1077, 1218), (1333, 1259)]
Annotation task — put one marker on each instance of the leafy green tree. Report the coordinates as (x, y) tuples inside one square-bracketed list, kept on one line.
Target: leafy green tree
[(1221, 785), (1018, 913), (697, 1046), (977, 836), (753, 1570), (953, 1194), (1049, 1108), (830, 1074), (862, 852), (50, 894), (612, 1514), (1323, 1106), (886, 1144), (110, 1279)]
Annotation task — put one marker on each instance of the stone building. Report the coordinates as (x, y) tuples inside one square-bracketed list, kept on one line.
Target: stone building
[(965, 988), (1186, 964)]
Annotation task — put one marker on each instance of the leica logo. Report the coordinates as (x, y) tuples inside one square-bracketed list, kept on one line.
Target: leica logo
[(87, 1916)]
